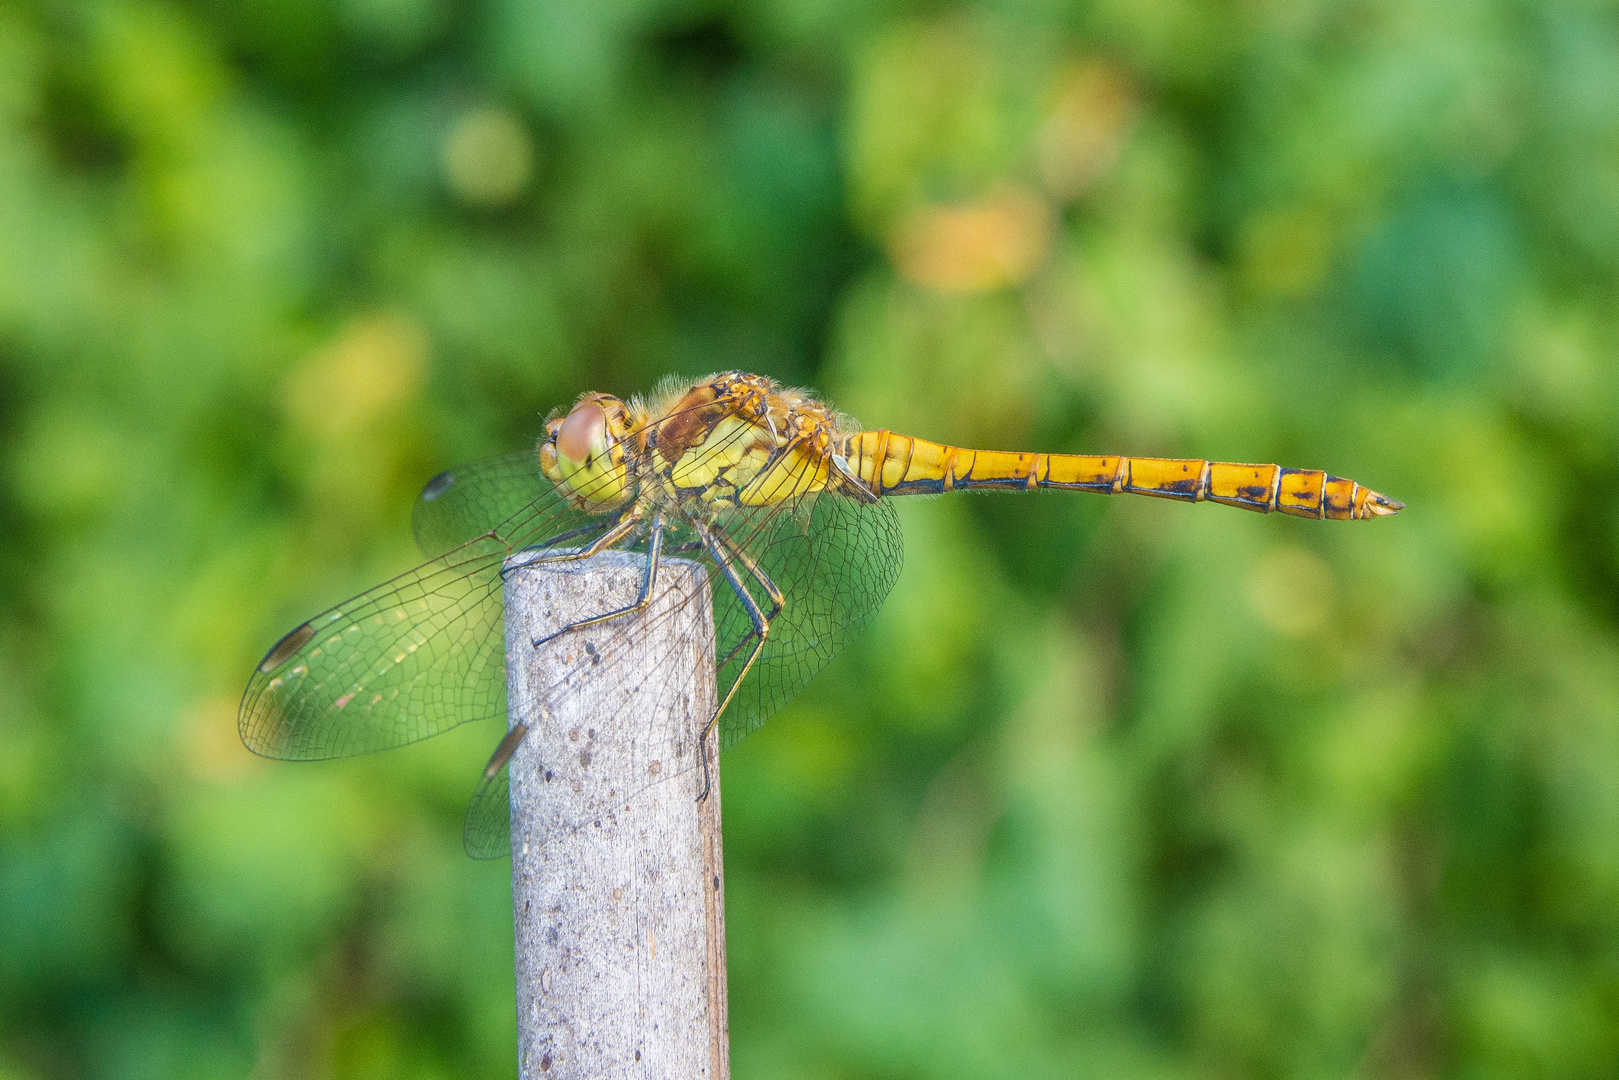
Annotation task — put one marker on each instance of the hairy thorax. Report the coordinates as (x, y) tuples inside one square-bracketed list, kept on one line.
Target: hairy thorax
[(697, 449), (740, 440)]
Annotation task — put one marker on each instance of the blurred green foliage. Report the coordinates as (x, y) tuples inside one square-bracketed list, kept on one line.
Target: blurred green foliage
[(1115, 787)]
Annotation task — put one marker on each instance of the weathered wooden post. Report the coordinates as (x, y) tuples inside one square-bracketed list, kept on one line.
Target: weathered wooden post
[(617, 875)]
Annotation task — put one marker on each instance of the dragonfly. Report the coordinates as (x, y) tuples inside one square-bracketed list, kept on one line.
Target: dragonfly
[(785, 502)]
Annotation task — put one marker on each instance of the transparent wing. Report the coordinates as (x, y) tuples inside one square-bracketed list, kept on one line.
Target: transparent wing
[(834, 560), (644, 641), (472, 500), (403, 661), (411, 657), (487, 831)]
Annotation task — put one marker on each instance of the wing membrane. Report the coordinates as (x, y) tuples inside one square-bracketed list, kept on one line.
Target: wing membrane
[(408, 659), (834, 560), (405, 660), (642, 642), (489, 497), (487, 831)]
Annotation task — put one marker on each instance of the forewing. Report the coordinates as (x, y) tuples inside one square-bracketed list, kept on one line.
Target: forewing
[(494, 496), (644, 643), (405, 660), (834, 560)]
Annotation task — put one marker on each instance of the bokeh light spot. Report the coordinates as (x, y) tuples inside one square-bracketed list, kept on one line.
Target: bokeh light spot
[(974, 247), (375, 365), (488, 158), (1291, 589), (1093, 104)]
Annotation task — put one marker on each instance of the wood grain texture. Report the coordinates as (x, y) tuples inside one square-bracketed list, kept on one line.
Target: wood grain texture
[(617, 870)]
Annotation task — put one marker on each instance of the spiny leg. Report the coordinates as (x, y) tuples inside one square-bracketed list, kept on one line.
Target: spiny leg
[(619, 530), (777, 600), (552, 541), (759, 575), (761, 631), (654, 551)]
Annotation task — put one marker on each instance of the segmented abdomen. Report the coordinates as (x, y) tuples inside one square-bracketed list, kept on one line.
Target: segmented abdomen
[(892, 464)]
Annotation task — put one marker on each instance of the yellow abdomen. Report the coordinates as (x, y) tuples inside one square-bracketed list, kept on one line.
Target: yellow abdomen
[(891, 464)]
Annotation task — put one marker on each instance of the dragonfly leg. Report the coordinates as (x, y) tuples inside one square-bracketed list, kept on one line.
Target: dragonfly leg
[(777, 600), (722, 553), (654, 552), (618, 531), (699, 545), (551, 541)]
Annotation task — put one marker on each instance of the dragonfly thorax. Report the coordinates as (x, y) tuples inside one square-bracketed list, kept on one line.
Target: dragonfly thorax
[(741, 440), (730, 440)]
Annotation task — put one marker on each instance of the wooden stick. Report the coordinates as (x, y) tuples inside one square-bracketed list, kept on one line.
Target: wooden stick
[(617, 870)]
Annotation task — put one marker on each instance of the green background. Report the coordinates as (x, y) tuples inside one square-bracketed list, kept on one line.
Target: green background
[(1113, 787)]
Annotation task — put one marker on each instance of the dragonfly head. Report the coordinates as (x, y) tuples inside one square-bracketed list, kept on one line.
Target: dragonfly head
[(583, 452)]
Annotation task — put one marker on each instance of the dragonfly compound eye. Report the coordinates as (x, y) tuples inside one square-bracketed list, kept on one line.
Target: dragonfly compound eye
[(583, 435), (589, 460)]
